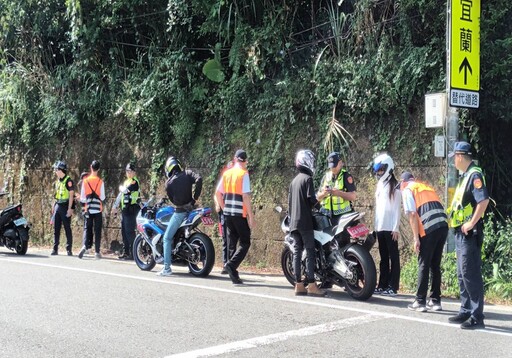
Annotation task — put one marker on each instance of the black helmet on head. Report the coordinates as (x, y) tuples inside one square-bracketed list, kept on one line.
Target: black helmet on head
[(60, 165), (172, 165)]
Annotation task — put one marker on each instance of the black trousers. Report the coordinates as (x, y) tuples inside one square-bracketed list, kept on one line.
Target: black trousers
[(93, 222), (225, 251), (388, 250), (128, 226), (60, 219), (239, 239), (429, 261), (304, 239)]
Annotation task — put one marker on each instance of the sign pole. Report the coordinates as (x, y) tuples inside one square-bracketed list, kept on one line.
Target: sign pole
[(452, 131)]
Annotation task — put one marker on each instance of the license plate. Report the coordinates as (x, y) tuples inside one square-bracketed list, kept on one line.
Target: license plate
[(20, 222), (207, 220), (358, 230)]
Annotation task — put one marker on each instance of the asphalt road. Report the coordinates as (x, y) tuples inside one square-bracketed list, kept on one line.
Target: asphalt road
[(59, 306)]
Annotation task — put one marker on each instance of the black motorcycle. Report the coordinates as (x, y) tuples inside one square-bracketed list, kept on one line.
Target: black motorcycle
[(13, 228)]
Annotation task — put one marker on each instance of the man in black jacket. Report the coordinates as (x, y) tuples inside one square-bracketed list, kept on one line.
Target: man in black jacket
[(179, 190), (301, 199)]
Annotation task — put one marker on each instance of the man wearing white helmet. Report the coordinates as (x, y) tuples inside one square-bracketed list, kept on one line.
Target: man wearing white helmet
[(301, 199), (387, 221)]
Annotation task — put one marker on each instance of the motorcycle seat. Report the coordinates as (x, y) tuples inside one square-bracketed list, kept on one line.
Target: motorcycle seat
[(8, 209)]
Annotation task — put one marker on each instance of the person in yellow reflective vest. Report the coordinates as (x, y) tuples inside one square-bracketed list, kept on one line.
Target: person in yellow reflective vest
[(337, 191), (128, 199), (63, 207), (465, 216)]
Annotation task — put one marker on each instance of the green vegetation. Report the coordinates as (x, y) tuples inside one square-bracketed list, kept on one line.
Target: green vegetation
[(199, 78)]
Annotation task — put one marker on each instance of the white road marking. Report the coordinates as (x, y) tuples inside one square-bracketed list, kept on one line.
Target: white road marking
[(304, 301), (277, 337)]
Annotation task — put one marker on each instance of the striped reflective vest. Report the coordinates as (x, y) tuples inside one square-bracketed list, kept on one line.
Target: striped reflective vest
[(61, 192), (431, 215), (131, 197), (337, 204), (233, 196), (456, 212), (92, 187)]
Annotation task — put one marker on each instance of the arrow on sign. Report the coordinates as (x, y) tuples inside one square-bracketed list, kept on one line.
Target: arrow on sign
[(466, 66)]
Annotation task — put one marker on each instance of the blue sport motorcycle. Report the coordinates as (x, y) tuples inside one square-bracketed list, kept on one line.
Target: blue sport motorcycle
[(190, 245)]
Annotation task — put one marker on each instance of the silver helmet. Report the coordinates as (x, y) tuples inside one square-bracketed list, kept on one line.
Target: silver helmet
[(305, 159)]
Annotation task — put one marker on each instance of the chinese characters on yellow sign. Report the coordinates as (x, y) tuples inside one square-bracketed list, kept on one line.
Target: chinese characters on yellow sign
[(465, 53)]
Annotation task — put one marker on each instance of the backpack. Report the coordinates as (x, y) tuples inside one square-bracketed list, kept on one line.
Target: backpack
[(92, 200)]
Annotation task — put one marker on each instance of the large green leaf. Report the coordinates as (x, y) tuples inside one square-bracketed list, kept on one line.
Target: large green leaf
[(213, 70)]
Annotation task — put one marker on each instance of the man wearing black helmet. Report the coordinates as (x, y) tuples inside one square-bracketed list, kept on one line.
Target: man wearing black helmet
[(301, 199), (63, 207), (179, 190)]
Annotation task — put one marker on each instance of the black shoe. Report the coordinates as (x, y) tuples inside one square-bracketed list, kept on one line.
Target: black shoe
[(82, 252), (458, 318), (54, 252), (224, 271), (123, 257), (473, 324), (233, 275), (70, 253)]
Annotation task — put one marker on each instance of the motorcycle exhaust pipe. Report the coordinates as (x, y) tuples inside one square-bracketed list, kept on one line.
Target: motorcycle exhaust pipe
[(339, 265)]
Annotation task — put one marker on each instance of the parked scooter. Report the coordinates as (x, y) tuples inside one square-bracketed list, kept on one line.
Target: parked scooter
[(13, 228), (342, 254), (190, 246)]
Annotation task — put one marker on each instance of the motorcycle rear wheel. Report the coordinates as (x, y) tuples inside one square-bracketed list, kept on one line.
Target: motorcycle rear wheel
[(143, 254), (362, 285), (22, 247), (205, 253)]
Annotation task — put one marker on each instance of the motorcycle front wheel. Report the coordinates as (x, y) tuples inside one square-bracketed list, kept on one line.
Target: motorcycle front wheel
[(362, 285), (143, 254), (204, 255), (22, 246)]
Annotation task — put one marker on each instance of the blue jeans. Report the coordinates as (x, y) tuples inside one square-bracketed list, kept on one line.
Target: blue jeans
[(172, 227)]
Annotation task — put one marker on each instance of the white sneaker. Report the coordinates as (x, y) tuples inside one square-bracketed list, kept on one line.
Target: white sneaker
[(164, 272), (434, 306), (418, 307)]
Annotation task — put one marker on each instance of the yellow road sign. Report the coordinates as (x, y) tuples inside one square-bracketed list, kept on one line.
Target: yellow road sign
[(465, 45)]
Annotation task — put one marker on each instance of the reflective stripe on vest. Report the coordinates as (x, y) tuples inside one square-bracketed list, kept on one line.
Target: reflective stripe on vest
[(131, 197), (459, 215), (61, 192), (92, 203), (233, 196), (339, 205), (431, 215)]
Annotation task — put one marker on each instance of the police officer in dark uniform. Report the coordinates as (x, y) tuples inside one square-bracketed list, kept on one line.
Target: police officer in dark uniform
[(63, 207), (465, 216), (129, 202)]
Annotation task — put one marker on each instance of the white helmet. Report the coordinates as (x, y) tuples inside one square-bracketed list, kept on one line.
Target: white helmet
[(305, 159), (383, 162)]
